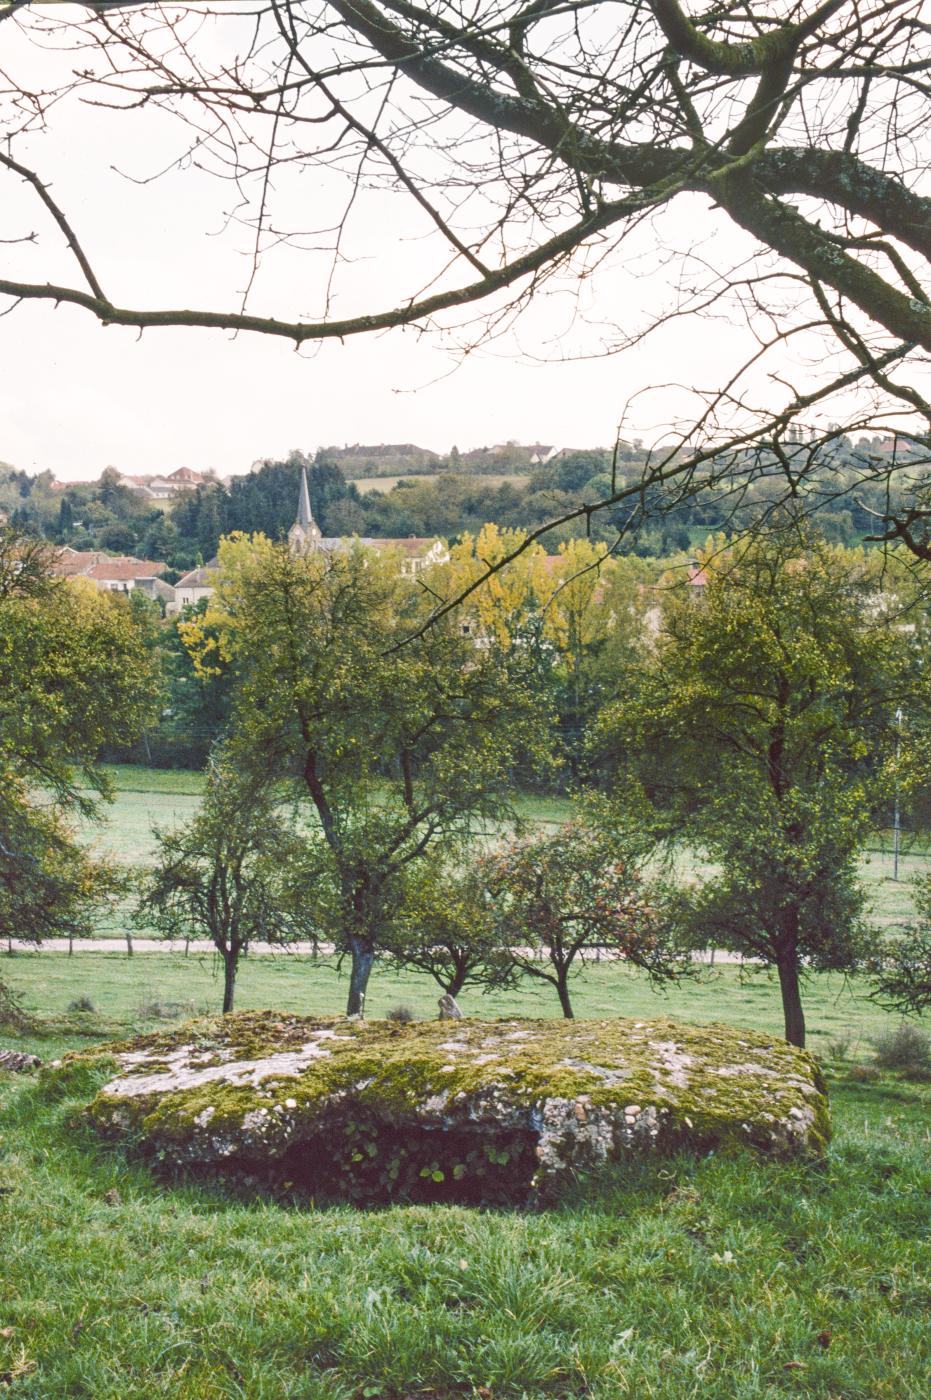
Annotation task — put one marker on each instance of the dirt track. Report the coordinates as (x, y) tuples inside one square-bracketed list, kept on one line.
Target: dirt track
[(199, 947)]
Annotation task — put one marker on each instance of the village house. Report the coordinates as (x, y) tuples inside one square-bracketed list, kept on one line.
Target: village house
[(194, 586), (164, 488), (119, 573)]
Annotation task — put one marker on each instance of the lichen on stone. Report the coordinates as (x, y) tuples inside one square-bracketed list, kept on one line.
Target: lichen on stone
[(378, 1110)]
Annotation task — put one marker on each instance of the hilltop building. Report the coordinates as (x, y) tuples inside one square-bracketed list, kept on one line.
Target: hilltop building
[(165, 488)]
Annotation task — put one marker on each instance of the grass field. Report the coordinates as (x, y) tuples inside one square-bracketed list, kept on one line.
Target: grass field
[(715, 1278), (385, 483), (720, 1278), (145, 797), (836, 1007)]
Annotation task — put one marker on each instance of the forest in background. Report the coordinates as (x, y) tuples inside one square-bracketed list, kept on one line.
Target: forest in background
[(447, 496)]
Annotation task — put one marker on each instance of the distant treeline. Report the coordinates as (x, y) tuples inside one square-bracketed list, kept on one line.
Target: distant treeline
[(442, 496)]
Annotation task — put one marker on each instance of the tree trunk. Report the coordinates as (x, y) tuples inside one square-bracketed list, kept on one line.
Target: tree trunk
[(562, 987), (229, 980), (362, 959), (791, 1000), (457, 981), (129, 944)]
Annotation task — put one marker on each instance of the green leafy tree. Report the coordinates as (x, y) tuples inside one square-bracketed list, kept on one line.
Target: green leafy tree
[(564, 897), (902, 966), (401, 738), (590, 625), (49, 885), (446, 927), (227, 874), (196, 702), (74, 674), (756, 731)]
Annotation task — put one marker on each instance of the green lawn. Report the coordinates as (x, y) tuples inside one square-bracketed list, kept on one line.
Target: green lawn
[(720, 1278), (836, 1007), (130, 777), (145, 797)]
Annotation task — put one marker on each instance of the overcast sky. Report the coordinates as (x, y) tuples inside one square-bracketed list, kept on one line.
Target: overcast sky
[(76, 397)]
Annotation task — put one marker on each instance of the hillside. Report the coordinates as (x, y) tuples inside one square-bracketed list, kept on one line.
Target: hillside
[(391, 490), (382, 459)]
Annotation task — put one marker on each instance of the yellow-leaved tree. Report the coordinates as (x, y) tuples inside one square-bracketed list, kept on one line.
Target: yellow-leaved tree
[(505, 607)]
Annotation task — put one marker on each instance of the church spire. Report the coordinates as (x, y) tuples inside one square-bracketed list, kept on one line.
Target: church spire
[(304, 513), (304, 534)]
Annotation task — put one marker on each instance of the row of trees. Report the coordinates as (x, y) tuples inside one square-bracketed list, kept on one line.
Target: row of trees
[(756, 730), (371, 751), (539, 907), (111, 514), (834, 476)]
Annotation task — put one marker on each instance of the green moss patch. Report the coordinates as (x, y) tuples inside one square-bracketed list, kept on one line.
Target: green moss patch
[(471, 1111)]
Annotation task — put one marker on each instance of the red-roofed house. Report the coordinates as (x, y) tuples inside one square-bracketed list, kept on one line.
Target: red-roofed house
[(186, 478), (119, 573)]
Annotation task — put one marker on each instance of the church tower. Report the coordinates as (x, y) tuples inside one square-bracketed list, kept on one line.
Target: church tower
[(304, 535)]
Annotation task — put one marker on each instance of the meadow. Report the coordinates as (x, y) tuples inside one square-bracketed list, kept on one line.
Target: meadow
[(721, 1277), (386, 483), (145, 990), (145, 798)]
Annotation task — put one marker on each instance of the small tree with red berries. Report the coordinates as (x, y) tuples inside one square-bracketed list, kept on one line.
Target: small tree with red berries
[(580, 893)]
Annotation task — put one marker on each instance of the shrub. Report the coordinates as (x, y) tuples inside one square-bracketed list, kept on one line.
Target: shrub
[(83, 1005), (907, 1048), (12, 1016), (166, 1010), (401, 1013), (839, 1047), (862, 1074)]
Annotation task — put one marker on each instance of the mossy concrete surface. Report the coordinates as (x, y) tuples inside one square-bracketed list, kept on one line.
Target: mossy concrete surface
[(258, 1089)]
